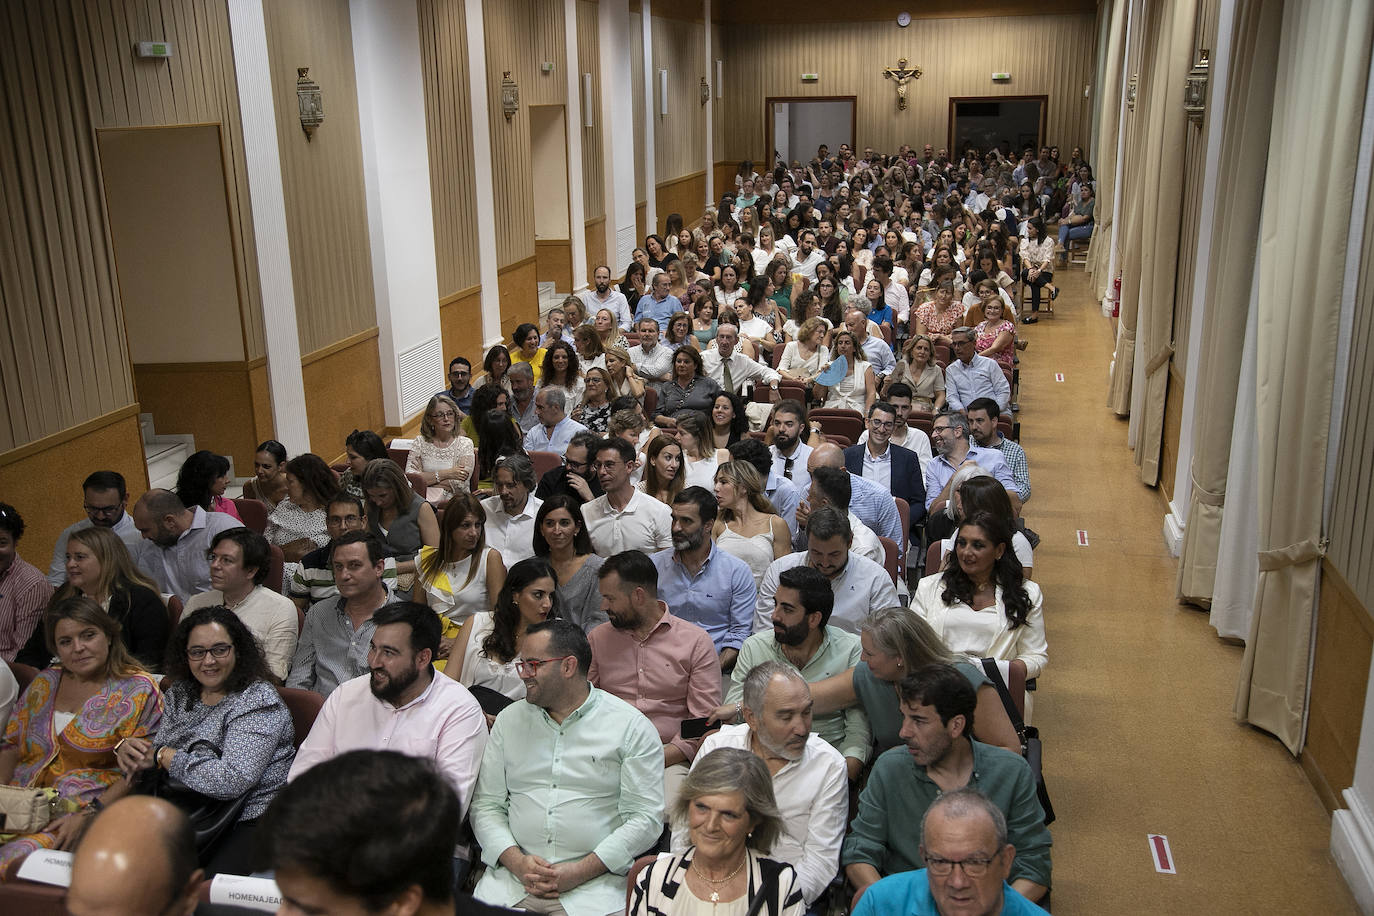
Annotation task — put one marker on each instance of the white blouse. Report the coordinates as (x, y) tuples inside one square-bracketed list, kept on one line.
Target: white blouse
[(985, 633)]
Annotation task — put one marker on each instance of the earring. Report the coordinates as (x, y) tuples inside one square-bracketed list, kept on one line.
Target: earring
[(899, 664)]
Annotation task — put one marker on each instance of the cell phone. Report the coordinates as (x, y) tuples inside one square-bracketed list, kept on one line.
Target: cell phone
[(694, 728)]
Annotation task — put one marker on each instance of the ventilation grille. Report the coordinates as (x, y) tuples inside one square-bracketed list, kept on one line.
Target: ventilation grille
[(421, 369)]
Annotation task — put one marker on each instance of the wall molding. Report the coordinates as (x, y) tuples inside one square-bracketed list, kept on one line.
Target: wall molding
[(339, 345), (75, 432), (239, 365), (1352, 846), (516, 265), (460, 295)]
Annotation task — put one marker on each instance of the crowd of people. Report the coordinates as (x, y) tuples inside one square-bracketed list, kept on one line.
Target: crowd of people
[(629, 591)]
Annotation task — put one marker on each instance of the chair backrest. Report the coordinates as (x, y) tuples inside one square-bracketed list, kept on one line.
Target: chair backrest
[(275, 564), (904, 513), (253, 512), (545, 462), (841, 441), (887, 333), (398, 455), (417, 483), (776, 356), (32, 899), (650, 400), (24, 674), (1006, 373), (944, 353), (917, 414), (932, 559), (175, 608), (924, 424), (300, 621), (891, 557), (304, 706), (1004, 425), (632, 877), (849, 424)]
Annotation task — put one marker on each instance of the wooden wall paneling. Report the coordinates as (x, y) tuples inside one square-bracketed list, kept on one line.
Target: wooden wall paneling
[(326, 207), (343, 391), (519, 295), (593, 158), (553, 263), (459, 314), (682, 195), (765, 12), (176, 394), (679, 136), (596, 246), (448, 120)]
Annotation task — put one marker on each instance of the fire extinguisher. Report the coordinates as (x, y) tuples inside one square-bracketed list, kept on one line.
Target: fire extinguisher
[(1116, 298)]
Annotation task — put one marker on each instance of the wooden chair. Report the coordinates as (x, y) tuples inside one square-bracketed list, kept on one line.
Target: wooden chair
[(891, 557), (1076, 250), (253, 512), (304, 706), (275, 564), (650, 400), (933, 564), (841, 441), (175, 608), (924, 424), (545, 462)]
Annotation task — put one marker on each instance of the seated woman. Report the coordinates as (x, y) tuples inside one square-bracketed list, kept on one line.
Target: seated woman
[(495, 365), (1079, 224), (748, 526), (858, 389), (361, 446), (606, 328), (659, 256), (975, 490), (297, 525), (689, 387), (879, 312), (398, 517), (69, 720), (941, 315), (704, 321), (441, 454), (562, 371), (560, 536), (728, 419), (678, 333), (269, 468), (590, 351), (1037, 263), (918, 369), (99, 567), (677, 278), (201, 482), (808, 305), (700, 456), (635, 286), (803, 358), (727, 806), (982, 604), (225, 732), (485, 653), (494, 430), (663, 475), (594, 411), (525, 348), (996, 335), (462, 575), (727, 290), (624, 379)]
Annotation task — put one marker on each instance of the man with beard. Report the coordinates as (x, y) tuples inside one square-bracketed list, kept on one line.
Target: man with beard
[(510, 513), (802, 641), (710, 587), (104, 497), (809, 781), (656, 661), (176, 542), (790, 453), (938, 756), (605, 296), (400, 705)]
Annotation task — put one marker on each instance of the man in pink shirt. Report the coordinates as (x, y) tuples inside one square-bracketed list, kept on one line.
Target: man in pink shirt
[(24, 590), (664, 666)]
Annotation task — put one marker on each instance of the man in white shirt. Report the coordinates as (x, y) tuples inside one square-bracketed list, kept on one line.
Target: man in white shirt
[(603, 295), (790, 453), (970, 376), (105, 496), (176, 542), (859, 584), (624, 517), (808, 256), (730, 369), (830, 487), (555, 428), (908, 437), (810, 783), (875, 349), (239, 560), (652, 360), (510, 513)]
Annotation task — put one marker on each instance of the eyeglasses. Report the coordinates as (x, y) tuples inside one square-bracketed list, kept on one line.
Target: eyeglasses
[(340, 521), (218, 650), (529, 667), (442, 415), (102, 510), (974, 866), (882, 424)]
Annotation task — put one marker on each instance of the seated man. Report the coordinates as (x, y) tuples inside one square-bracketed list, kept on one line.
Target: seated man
[(899, 395), (460, 384), (953, 449), (649, 657), (624, 517), (704, 584), (522, 406), (858, 583), (877, 458), (872, 503), (334, 644), (555, 428), (731, 369), (163, 878), (566, 845), (24, 593), (809, 780), (602, 295), (830, 487), (104, 494), (790, 451), (982, 420), (652, 359), (875, 349), (574, 478), (176, 542), (510, 513), (969, 376), (802, 606), (961, 828), (937, 704), (313, 578), (239, 561)]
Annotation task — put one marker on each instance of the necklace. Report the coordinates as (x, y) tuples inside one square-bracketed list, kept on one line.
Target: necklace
[(715, 883)]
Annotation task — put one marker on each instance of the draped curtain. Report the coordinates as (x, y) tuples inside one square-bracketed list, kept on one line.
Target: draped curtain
[(1244, 146), (1320, 88), (1104, 157)]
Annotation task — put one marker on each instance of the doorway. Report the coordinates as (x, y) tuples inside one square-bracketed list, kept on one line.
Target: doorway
[(1010, 123), (795, 127), (549, 165)]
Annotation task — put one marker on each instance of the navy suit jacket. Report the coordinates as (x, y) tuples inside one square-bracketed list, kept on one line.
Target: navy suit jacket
[(907, 482)]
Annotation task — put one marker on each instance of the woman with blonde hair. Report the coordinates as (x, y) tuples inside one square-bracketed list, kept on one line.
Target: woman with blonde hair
[(594, 411), (621, 371), (441, 454), (677, 278), (590, 350), (663, 473), (700, 457), (748, 526), (462, 575), (857, 390), (803, 358), (609, 331), (918, 368)]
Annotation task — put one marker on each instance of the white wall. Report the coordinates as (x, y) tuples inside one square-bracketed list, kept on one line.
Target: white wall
[(549, 158), (814, 123)]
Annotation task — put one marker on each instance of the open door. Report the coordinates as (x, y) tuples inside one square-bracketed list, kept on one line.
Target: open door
[(1009, 122), (795, 127)]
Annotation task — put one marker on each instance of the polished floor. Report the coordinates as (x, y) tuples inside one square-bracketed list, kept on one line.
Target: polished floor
[(1135, 705)]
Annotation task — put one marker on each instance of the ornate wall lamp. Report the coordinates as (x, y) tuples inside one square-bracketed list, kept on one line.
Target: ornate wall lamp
[(510, 95), (1195, 88)]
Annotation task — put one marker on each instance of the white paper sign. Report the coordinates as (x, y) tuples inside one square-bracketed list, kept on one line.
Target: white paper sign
[(249, 893), (48, 866)]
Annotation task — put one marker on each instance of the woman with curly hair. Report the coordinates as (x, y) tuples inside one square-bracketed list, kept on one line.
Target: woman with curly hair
[(563, 371), (486, 653), (202, 480), (297, 525)]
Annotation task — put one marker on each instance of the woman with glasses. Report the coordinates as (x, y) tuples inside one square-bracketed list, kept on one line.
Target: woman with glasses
[(441, 454), (560, 536), (225, 731), (487, 652), (594, 412)]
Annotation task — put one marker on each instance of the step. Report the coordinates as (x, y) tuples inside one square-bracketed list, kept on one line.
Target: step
[(164, 456)]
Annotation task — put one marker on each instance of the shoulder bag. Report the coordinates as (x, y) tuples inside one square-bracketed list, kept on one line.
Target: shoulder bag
[(1031, 747), (211, 818), (26, 810)]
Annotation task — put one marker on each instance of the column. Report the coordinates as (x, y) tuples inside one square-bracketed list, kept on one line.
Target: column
[(709, 70), (618, 151), (651, 108), (481, 167), (577, 210)]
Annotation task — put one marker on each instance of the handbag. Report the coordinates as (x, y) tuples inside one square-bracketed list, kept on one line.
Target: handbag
[(25, 810), (211, 818), (1032, 749)]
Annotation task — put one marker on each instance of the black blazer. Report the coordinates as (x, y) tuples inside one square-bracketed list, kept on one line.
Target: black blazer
[(143, 628), (907, 482)]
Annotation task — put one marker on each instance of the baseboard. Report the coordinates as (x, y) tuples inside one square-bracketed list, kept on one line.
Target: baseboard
[(1173, 531), (1352, 846)]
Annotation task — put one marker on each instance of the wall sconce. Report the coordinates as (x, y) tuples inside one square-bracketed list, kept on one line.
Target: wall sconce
[(310, 102), (663, 93), (587, 100), (510, 95), (1130, 92), (705, 91), (1195, 88)]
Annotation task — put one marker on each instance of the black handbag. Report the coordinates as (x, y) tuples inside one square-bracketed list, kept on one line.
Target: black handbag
[(211, 818), (1031, 747)]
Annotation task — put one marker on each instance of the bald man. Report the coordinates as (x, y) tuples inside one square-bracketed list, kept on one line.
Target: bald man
[(871, 503), (176, 542), (138, 857)]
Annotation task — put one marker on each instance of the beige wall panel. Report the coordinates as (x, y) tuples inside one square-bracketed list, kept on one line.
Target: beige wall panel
[(637, 89), (326, 207), (593, 156), (448, 122), (679, 136), (343, 390), (1046, 55)]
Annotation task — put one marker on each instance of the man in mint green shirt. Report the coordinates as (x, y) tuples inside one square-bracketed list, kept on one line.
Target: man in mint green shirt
[(800, 638), (571, 786)]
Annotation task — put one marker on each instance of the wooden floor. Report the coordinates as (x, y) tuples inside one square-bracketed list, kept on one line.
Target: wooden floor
[(1135, 704)]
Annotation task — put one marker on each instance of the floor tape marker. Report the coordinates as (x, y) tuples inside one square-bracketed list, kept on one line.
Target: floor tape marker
[(1162, 855), (1059, 376), (1082, 538)]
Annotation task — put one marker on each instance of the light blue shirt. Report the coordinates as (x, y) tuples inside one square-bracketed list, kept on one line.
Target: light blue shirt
[(183, 569), (538, 439), (939, 470), (719, 598), (879, 355), (875, 507), (57, 570), (785, 497), (908, 894), (593, 783), (981, 378), (660, 311)]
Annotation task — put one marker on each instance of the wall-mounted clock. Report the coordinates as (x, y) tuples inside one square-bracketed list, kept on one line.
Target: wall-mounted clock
[(904, 19)]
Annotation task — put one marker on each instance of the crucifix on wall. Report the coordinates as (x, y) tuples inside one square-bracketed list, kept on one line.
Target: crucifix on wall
[(903, 75)]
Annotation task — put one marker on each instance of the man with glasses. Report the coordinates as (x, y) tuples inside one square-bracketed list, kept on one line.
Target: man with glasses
[(460, 384), (879, 459), (970, 376), (239, 562), (938, 756), (954, 448), (652, 360), (624, 517), (555, 428), (313, 579), (571, 785), (105, 495), (574, 477), (968, 859)]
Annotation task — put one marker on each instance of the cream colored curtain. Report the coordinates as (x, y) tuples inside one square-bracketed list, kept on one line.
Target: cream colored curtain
[(1322, 70), (1247, 121), (1104, 157)]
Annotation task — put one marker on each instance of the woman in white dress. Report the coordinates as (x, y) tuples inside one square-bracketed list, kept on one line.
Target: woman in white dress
[(486, 654), (700, 457), (803, 358), (441, 454), (748, 526), (462, 575), (857, 389)]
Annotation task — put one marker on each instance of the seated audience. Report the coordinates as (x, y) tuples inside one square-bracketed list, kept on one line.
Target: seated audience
[(462, 575), (869, 345), (487, 650), (700, 456), (859, 387), (225, 731), (727, 809), (730, 369), (313, 578), (1079, 224), (663, 469), (560, 536), (603, 295), (542, 848), (624, 518), (162, 879), (495, 426), (803, 358), (574, 476), (892, 467), (297, 524), (781, 492), (729, 422), (562, 371), (525, 348), (104, 496), (460, 388), (24, 593), (624, 376), (333, 644), (70, 719), (202, 480), (510, 513), (689, 388), (975, 490), (970, 376), (441, 454), (594, 411), (952, 439), (495, 367), (918, 369), (982, 418), (832, 488), (239, 561), (903, 433), (176, 542), (361, 447), (748, 526), (936, 319), (398, 517), (995, 335), (1037, 263), (555, 429)]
